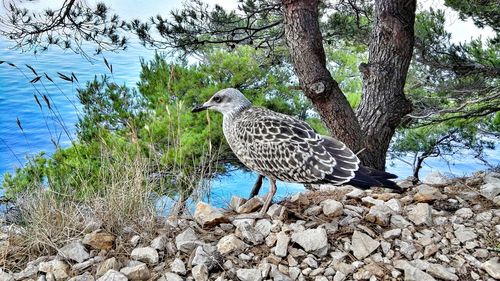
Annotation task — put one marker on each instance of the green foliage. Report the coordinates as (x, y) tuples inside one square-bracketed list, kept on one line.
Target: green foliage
[(155, 121), (483, 13), (344, 60)]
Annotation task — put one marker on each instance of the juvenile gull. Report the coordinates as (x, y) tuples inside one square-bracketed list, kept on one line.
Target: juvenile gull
[(283, 148)]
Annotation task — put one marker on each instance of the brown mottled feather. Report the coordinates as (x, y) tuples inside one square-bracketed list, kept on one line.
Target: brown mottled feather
[(288, 149)]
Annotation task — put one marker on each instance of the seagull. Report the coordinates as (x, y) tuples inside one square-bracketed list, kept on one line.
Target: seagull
[(281, 147)]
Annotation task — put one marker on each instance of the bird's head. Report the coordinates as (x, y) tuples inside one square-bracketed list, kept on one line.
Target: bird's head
[(225, 101)]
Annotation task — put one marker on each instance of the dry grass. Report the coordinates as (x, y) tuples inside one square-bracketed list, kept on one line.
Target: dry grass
[(49, 220)]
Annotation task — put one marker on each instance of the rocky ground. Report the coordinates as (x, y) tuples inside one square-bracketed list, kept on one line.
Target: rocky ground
[(438, 230)]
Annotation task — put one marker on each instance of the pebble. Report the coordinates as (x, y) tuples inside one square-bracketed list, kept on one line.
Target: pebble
[(249, 274), (178, 266), (312, 240), (332, 208), (145, 254), (200, 272), (420, 214), (113, 275), (492, 267), (363, 245), (230, 243), (282, 240), (75, 251)]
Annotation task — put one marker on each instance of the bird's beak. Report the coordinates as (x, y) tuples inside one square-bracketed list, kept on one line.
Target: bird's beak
[(199, 108)]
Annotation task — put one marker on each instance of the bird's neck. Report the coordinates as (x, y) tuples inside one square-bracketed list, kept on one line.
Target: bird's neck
[(230, 115)]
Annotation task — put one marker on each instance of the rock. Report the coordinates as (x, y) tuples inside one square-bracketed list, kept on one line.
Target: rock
[(420, 214), (249, 274), (496, 200), (363, 245), (77, 267), (84, 277), (137, 272), (178, 266), (160, 242), (375, 269), (435, 178), (276, 211), (484, 216), (415, 274), (200, 257), (230, 243), (58, 268), (427, 193), (356, 193), (386, 246), (379, 214), (208, 216), (406, 248), (394, 204), (213, 259), (464, 234), (75, 251), (310, 262), (339, 276), (200, 272), (169, 276), (399, 221), (332, 208), (441, 272), (278, 275), (371, 201), (282, 240), (113, 275), (134, 241), (313, 211), (145, 254), (312, 240), (430, 250), (99, 240), (251, 205), (492, 177), (30, 270), (247, 232), (106, 265), (393, 233), (187, 241), (464, 213), (294, 272), (236, 202), (263, 226), (490, 190), (492, 266)]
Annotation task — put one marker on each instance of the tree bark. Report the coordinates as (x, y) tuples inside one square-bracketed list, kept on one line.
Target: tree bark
[(305, 44), (384, 104)]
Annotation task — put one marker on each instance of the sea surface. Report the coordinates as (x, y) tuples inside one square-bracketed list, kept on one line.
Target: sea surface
[(27, 128)]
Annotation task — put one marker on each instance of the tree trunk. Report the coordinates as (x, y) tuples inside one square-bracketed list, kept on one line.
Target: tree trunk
[(305, 44), (384, 104)]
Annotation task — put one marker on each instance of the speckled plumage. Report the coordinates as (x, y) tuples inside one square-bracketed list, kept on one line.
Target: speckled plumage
[(281, 147), (284, 148)]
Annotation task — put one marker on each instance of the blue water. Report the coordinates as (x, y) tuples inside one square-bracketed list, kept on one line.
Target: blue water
[(42, 127)]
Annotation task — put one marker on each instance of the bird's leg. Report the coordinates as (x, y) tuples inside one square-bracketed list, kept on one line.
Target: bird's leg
[(256, 187), (269, 197)]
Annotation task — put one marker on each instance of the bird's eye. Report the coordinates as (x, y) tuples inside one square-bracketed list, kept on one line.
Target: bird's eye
[(217, 99)]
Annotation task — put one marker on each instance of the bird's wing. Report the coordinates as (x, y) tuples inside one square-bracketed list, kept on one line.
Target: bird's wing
[(290, 150)]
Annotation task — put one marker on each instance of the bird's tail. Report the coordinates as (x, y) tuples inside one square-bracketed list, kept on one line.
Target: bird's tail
[(366, 178)]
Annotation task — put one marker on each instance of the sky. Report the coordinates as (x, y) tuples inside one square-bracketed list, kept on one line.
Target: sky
[(461, 31)]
